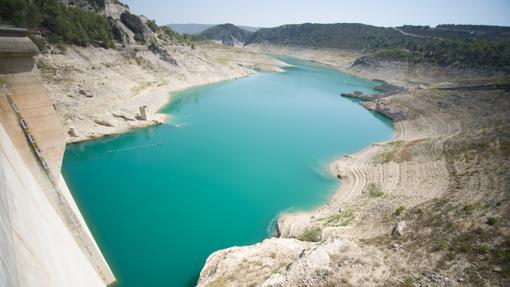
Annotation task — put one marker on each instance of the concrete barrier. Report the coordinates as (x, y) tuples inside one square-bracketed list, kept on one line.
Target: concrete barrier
[(44, 240)]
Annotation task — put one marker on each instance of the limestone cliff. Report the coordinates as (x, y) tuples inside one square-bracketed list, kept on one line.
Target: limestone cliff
[(98, 89)]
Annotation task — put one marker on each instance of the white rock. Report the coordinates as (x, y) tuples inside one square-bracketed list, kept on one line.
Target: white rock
[(398, 230)]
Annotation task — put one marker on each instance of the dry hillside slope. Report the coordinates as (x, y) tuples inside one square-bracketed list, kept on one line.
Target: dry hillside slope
[(98, 91), (428, 208)]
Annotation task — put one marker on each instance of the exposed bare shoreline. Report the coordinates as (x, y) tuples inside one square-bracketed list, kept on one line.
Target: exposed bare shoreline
[(98, 92), (348, 240)]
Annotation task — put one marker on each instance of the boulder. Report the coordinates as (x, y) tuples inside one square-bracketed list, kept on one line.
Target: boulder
[(118, 33), (104, 123), (133, 22), (123, 116), (72, 132), (388, 88), (363, 61), (398, 230), (85, 93), (163, 54), (114, 8)]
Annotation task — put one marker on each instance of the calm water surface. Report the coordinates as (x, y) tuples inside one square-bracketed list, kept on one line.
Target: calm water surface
[(235, 154)]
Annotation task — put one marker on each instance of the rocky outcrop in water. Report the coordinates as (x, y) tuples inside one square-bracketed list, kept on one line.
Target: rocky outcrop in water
[(387, 89), (361, 96), (390, 112)]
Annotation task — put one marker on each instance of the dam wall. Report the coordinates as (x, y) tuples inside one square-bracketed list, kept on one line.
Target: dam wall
[(44, 240)]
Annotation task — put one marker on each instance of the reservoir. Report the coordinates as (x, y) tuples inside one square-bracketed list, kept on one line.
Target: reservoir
[(232, 156)]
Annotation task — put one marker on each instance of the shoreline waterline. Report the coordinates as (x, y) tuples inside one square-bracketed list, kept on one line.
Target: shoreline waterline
[(284, 111)]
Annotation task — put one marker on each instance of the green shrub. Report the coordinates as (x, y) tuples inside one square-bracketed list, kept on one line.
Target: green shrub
[(442, 245), (312, 234), (68, 24), (152, 25), (169, 32), (491, 221), (21, 13), (399, 210), (408, 281), (39, 43), (343, 218), (186, 39), (469, 208), (482, 248), (499, 253), (374, 190), (398, 55), (139, 38)]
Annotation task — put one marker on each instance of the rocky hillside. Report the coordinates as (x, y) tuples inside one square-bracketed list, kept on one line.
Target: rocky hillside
[(101, 63), (227, 34), (101, 23), (337, 36), (464, 46)]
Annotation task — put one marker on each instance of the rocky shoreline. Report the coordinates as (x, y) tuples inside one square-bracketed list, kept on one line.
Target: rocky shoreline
[(385, 89), (382, 227), (396, 187), (98, 92)]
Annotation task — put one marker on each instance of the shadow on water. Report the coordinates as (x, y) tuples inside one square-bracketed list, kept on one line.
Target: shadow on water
[(192, 282), (384, 119)]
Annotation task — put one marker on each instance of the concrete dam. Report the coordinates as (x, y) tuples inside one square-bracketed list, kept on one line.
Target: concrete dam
[(44, 240)]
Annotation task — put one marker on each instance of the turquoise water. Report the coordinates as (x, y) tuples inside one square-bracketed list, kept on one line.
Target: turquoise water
[(160, 200)]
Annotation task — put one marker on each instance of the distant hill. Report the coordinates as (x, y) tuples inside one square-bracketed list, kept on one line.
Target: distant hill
[(460, 31), (338, 36), (228, 34), (192, 28), (475, 46), (463, 46)]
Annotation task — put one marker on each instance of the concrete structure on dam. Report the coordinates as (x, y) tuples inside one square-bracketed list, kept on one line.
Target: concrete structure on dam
[(44, 240)]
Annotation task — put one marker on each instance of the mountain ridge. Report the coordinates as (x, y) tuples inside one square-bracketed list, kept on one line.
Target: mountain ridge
[(197, 28), (464, 46), (227, 34)]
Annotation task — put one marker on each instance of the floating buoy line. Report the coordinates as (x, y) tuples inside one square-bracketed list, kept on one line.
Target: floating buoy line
[(135, 147)]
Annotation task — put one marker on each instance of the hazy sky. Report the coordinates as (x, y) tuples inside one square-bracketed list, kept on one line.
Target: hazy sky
[(269, 13)]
